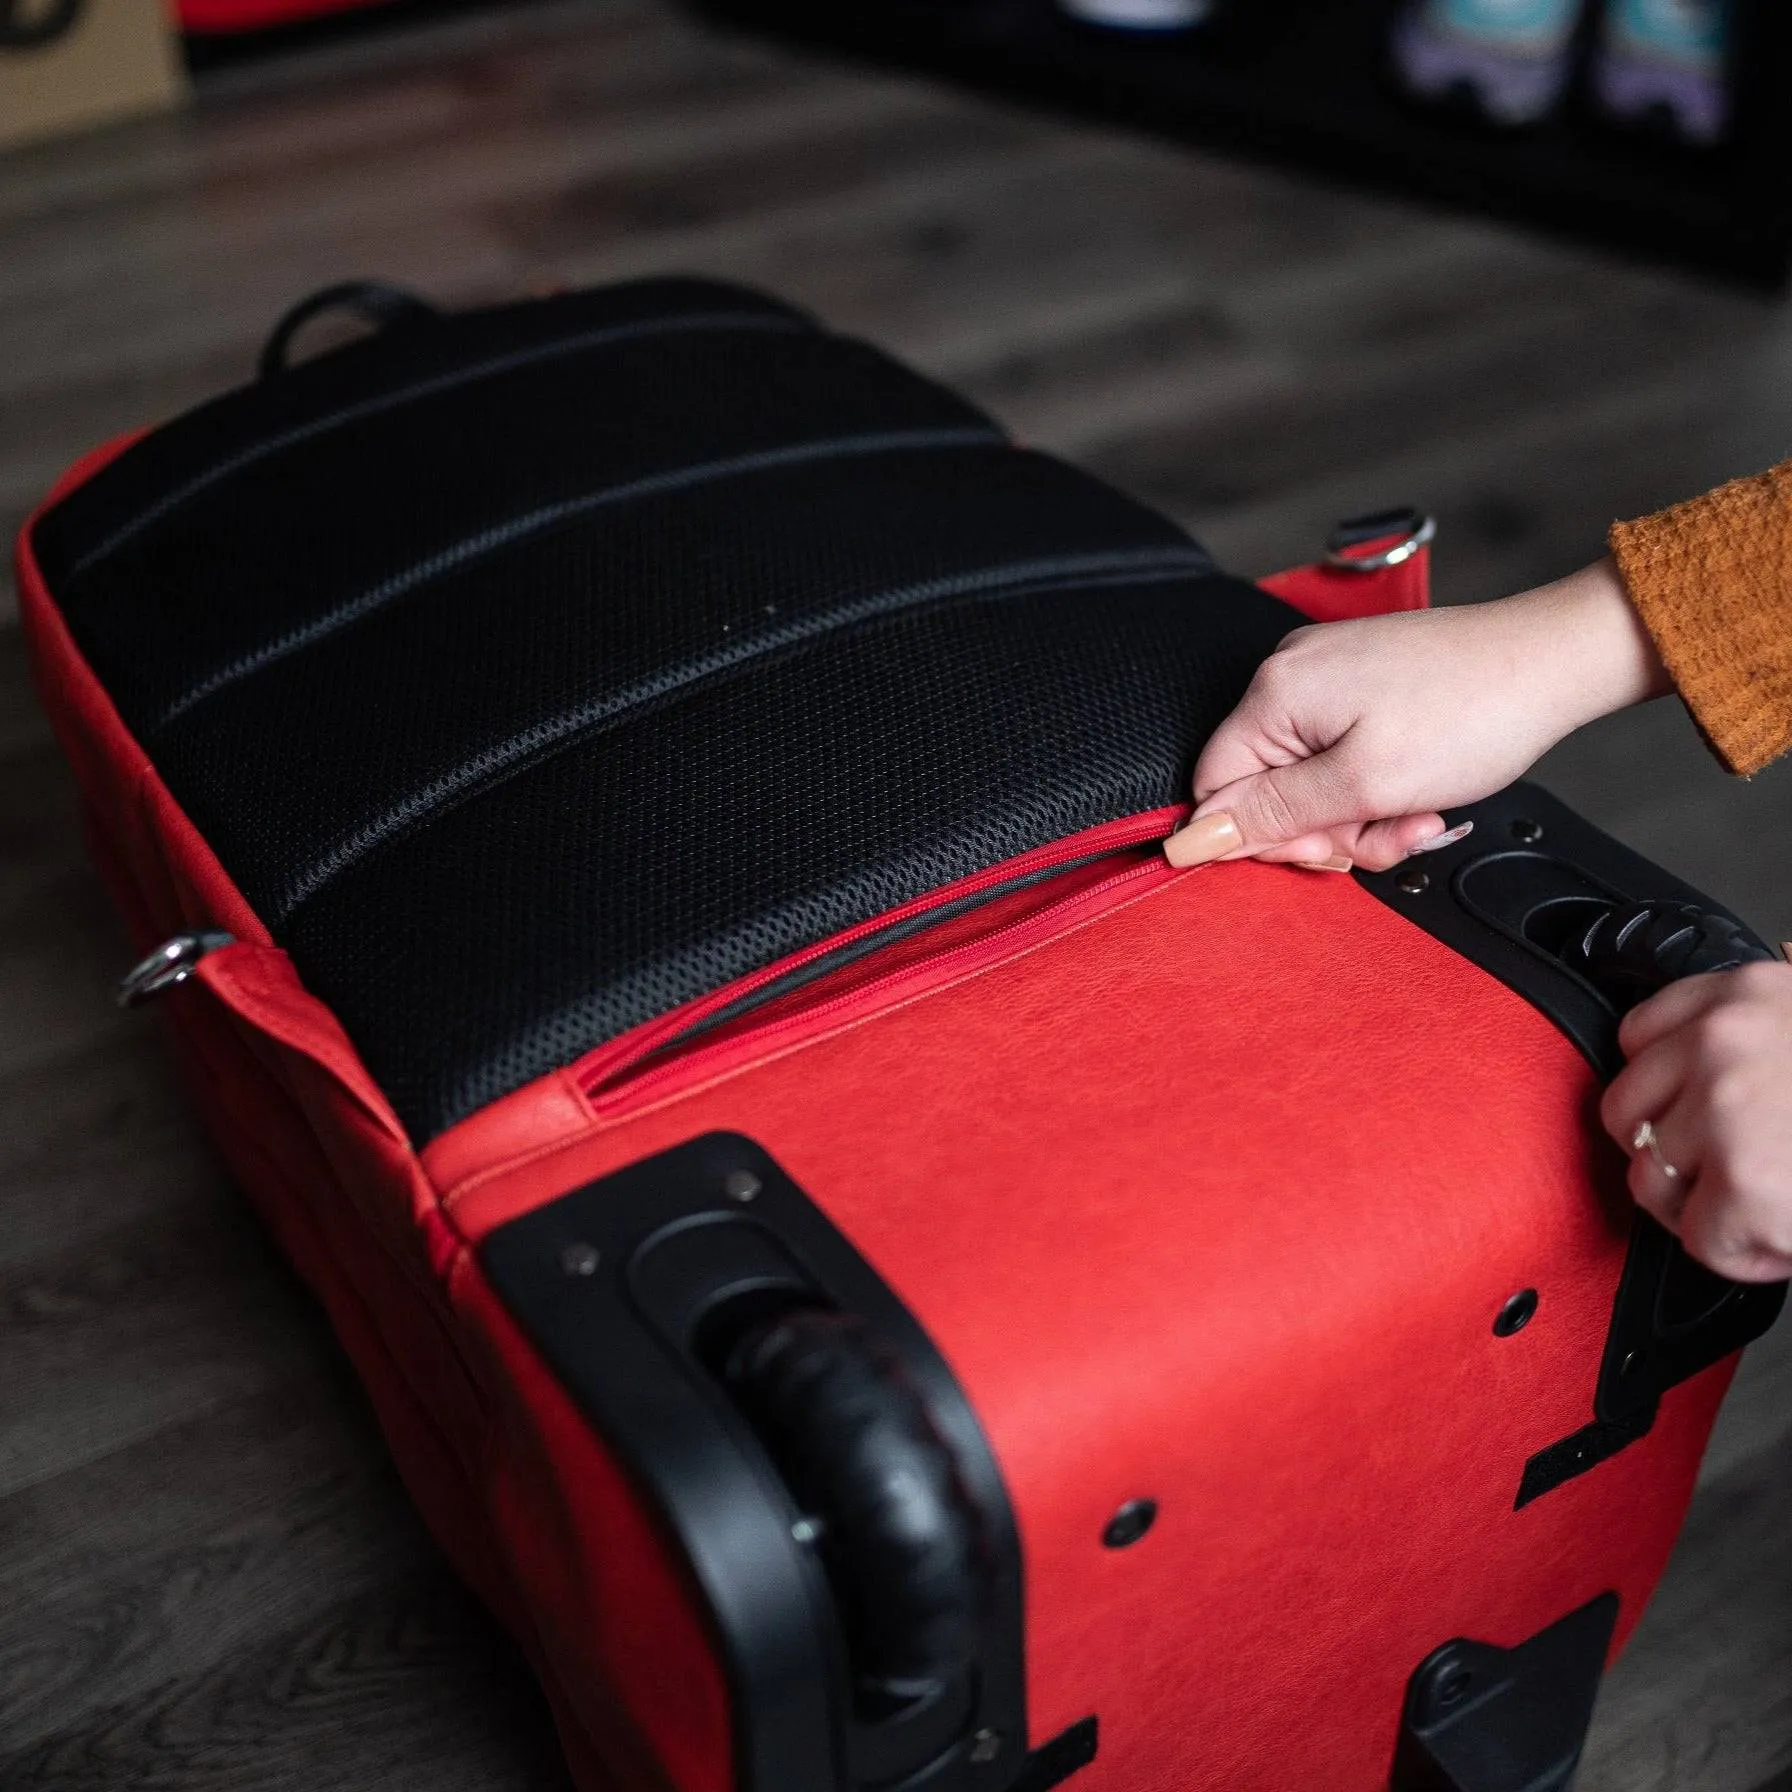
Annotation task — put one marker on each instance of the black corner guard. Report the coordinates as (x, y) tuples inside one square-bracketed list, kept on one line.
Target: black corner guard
[(653, 1293), (1531, 896), (1672, 1318), (1484, 1719)]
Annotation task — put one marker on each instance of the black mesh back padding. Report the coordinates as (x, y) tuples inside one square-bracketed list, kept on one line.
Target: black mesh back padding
[(527, 707), (197, 452), (301, 542)]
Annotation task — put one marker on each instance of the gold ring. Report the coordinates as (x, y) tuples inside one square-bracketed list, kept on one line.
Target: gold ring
[(1646, 1140)]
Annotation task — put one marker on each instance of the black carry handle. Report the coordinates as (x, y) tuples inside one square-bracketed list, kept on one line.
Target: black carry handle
[(376, 301), (895, 1532), (1560, 895), (1551, 907), (1634, 949)]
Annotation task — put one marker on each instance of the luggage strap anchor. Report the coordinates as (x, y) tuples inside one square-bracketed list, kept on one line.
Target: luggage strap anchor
[(172, 962), (1484, 1719), (1385, 538)]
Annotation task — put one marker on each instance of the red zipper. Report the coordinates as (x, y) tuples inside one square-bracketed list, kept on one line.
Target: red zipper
[(617, 1076)]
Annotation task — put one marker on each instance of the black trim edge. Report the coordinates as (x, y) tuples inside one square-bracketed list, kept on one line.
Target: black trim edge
[(1575, 1454), (624, 1285), (1054, 1762)]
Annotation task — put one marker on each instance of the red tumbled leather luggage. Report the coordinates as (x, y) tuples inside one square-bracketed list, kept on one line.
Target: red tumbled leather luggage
[(645, 818)]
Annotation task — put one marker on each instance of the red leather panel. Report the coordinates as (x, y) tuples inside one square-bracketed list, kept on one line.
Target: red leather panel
[(1208, 1184), (1214, 1200)]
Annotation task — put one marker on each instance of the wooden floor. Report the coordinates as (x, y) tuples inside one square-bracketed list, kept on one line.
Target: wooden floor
[(209, 1578)]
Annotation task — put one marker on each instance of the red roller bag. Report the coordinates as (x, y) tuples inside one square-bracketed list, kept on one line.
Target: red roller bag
[(645, 815)]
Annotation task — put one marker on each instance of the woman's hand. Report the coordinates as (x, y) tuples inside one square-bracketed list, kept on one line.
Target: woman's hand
[(1353, 735), (1710, 1071)]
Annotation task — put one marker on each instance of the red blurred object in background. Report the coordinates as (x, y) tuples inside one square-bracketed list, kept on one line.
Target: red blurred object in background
[(225, 17)]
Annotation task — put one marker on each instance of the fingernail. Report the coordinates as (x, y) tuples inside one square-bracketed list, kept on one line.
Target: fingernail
[(1212, 837), (1786, 950), (1439, 841), (1336, 863)]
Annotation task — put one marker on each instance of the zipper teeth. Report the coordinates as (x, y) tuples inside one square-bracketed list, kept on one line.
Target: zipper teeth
[(625, 1083)]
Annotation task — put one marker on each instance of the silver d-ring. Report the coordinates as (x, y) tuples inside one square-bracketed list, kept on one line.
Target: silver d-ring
[(172, 962), (1413, 528)]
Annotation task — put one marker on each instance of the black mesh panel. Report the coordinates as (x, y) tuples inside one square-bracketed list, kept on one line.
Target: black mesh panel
[(714, 835), (530, 705), (335, 525), (189, 456), (622, 611)]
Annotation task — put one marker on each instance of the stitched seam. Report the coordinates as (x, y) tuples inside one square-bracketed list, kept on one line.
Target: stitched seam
[(531, 746), (502, 535), (444, 382)]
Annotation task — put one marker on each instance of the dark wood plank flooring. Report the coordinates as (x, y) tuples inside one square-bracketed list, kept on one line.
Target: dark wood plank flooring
[(209, 1577)]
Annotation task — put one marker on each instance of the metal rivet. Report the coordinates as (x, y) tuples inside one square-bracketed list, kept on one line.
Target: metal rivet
[(1515, 1315), (985, 1746), (741, 1185), (1530, 832), (806, 1530), (579, 1259), (1413, 883), (1634, 1360), (1129, 1524)]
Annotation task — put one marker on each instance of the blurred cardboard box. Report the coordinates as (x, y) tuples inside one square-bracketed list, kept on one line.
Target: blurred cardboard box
[(67, 64)]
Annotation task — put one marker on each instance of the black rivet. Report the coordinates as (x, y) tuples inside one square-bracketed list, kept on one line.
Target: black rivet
[(985, 1746), (1530, 832), (1515, 1315), (1129, 1524), (1413, 883), (741, 1185), (579, 1259)]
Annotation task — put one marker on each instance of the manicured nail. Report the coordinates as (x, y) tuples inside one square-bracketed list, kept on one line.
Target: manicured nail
[(1439, 841), (1336, 863), (1203, 841)]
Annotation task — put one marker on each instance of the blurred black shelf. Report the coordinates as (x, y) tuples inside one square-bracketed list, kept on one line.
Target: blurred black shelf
[(1306, 82)]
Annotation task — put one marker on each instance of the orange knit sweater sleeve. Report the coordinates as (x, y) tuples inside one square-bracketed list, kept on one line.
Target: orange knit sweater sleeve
[(1712, 581)]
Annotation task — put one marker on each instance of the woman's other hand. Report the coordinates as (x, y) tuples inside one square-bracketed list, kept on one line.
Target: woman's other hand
[(1354, 735), (1711, 1072)]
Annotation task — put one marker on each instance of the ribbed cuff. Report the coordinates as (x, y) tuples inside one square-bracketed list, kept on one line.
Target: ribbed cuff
[(1712, 581)]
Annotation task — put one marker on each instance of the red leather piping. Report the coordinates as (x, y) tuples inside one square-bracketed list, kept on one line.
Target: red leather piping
[(604, 1075)]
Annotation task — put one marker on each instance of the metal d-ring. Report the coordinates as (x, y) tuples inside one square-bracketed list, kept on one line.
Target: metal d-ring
[(1413, 527), (172, 962)]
